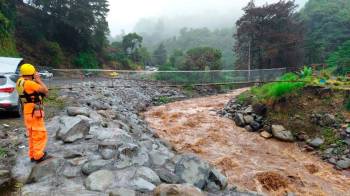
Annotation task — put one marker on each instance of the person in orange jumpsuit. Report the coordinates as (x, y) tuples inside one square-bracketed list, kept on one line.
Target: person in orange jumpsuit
[(31, 90)]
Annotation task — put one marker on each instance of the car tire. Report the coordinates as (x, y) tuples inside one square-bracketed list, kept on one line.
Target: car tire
[(19, 110)]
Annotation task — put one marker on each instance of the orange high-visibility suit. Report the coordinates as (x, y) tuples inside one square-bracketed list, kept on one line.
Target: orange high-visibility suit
[(37, 134)]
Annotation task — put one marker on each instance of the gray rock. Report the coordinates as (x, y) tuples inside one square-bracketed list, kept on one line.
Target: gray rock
[(46, 169), (71, 154), (72, 129), (95, 165), (75, 111), (4, 176), (343, 164), (167, 176), (100, 106), (53, 125), (159, 158), (142, 185), (248, 119), (128, 149), (148, 174), (281, 133), (99, 181), (347, 130), (122, 192), (248, 128), (328, 120), (71, 172), (328, 151), (108, 153), (249, 110), (218, 179), (316, 143), (255, 125), (190, 169), (239, 119)]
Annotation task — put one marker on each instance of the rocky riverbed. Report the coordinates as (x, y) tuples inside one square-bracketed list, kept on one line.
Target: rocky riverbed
[(311, 120), (270, 167), (102, 147)]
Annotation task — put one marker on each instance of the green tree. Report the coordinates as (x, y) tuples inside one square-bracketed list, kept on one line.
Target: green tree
[(340, 59), (203, 58), (54, 50), (79, 24), (160, 55), (203, 37), (86, 60), (146, 59), (131, 43), (177, 59), (7, 18), (327, 26), (269, 36)]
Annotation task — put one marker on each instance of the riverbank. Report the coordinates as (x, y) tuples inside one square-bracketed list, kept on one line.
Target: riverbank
[(250, 161)]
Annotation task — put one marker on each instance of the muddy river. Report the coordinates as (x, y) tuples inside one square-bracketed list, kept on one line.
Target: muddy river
[(248, 160)]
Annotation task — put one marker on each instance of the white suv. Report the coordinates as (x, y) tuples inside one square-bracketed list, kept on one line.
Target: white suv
[(9, 100)]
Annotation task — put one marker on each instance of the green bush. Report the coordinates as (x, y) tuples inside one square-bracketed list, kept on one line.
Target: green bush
[(55, 53), (86, 60), (272, 91), (306, 72), (3, 153)]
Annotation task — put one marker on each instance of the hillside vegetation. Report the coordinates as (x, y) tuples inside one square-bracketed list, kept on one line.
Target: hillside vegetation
[(327, 28)]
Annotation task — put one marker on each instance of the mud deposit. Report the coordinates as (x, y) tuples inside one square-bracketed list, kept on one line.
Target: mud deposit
[(250, 161)]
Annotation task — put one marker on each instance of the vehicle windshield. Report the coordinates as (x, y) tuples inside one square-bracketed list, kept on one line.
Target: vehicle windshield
[(2, 80)]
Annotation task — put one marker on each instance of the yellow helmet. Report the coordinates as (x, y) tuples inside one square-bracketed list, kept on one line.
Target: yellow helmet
[(27, 70)]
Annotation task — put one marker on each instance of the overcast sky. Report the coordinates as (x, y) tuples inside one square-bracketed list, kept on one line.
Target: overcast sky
[(124, 14)]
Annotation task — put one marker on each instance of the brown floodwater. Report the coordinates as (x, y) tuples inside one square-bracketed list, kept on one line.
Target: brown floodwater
[(248, 160)]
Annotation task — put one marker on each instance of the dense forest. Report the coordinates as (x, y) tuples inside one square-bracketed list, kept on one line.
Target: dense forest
[(327, 32), (55, 33), (73, 34)]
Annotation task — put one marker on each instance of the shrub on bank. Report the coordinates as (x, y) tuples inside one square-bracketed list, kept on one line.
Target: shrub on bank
[(288, 83)]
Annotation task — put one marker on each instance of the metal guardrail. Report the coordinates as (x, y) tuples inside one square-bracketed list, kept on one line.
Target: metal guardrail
[(68, 77)]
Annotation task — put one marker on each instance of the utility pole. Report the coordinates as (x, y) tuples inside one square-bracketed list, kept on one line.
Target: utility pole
[(249, 60), (249, 52)]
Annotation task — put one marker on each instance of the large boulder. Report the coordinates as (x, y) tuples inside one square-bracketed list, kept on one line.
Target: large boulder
[(75, 111), (72, 129), (281, 133), (239, 119), (46, 169), (99, 181), (142, 185), (217, 179), (343, 164), (177, 190), (148, 174), (95, 165), (316, 143), (167, 176), (190, 169)]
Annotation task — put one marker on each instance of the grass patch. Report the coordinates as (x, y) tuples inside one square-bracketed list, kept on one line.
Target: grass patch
[(273, 91), (331, 137), (53, 101), (162, 100), (189, 90), (3, 153)]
